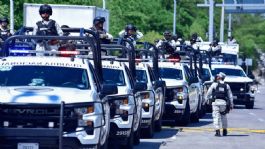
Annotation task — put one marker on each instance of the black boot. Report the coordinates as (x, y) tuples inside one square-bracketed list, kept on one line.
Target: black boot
[(217, 133), (224, 132)]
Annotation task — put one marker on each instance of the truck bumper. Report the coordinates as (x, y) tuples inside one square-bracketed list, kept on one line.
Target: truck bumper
[(119, 135), (10, 138), (172, 113), (242, 99)]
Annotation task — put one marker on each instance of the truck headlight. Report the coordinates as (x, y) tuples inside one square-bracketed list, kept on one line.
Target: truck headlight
[(115, 107), (82, 111), (145, 95), (179, 93)]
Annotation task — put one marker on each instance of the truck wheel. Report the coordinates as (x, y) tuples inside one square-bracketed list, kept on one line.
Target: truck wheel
[(250, 105), (150, 131), (158, 124), (137, 136), (129, 144), (105, 145), (185, 120), (195, 117)]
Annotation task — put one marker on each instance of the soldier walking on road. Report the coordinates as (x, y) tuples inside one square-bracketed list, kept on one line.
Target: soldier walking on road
[(222, 101)]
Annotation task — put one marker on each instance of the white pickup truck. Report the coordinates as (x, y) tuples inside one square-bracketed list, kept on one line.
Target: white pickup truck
[(50, 101)]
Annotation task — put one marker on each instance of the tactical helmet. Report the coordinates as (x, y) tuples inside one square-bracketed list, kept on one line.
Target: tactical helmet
[(98, 19), (45, 9), (221, 75), (216, 40), (4, 19), (130, 27), (167, 33), (194, 36)]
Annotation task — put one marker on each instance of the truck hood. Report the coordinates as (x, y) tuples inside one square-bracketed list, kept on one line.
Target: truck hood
[(174, 82), (237, 79), (45, 95)]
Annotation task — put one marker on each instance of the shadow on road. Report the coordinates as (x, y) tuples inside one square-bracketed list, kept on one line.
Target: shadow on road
[(166, 133), (201, 123), (237, 135), (207, 116), (147, 144), (243, 107)]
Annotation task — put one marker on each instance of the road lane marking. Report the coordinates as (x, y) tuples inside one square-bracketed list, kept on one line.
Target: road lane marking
[(238, 130), (252, 114)]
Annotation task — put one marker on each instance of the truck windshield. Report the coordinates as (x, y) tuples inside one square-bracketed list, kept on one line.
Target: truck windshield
[(113, 76), (141, 76), (206, 72), (229, 72), (44, 76), (170, 73)]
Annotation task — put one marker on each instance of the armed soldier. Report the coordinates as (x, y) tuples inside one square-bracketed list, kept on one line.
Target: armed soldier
[(4, 30), (222, 101), (47, 27), (131, 32), (98, 24), (167, 44)]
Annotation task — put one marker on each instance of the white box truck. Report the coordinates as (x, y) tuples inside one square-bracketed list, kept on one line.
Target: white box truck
[(75, 16)]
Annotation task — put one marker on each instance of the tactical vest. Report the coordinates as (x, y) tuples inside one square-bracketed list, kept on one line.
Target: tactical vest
[(220, 92), (47, 29), (4, 34)]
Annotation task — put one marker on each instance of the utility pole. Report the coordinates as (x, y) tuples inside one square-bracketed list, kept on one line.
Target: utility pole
[(211, 20), (222, 24), (174, 17), (229, 24), (12, 16), (104, 4)]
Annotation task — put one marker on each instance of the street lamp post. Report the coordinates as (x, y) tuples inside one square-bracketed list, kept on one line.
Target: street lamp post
[(222, 24), (12, 16), (104, 4), (211, 20), (175, 15)]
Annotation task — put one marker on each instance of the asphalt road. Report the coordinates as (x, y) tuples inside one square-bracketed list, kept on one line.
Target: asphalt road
[(246, 131)]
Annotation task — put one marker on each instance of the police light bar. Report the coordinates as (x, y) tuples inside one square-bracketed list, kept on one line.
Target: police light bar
[(43, 52), (143, 60), (223, 63), (170, 60)]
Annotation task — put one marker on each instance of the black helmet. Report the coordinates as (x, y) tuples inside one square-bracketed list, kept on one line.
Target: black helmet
[(130, 27), (98, 19), (194, 36), (45, 9), (4, 19), (167, 33), (215, 41)]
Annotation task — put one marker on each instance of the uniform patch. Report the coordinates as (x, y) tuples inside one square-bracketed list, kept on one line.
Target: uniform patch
[(221, 89), (5, 68)]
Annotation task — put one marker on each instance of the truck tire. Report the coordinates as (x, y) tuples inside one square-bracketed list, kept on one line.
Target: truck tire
[(195, 117), (250, 105), (105, 145), (158, 124), (137, 136), (150, 130), (185, 119), (130, 142)]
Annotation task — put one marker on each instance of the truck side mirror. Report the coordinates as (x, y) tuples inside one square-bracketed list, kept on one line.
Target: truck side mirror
[(159, 84), (193, 80), (206, 78), (109, 89), (140, 86)]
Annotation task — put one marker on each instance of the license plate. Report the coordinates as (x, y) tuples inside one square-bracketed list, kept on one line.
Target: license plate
[(178, 111), (235, 97), (145, 121), (28, 146)]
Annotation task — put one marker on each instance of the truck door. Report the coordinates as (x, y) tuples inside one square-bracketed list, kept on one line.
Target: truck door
[(192, 89)]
